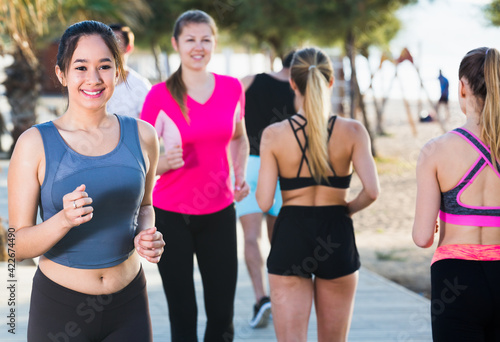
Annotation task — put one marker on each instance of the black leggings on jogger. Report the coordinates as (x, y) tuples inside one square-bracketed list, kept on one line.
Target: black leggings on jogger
[(58, 314), (465, 300), (212, 238)]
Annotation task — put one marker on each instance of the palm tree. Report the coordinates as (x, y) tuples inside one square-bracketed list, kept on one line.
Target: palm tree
[(24, 24)]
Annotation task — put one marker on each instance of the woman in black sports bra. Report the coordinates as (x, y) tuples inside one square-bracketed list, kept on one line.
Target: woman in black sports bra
[(313, 156)]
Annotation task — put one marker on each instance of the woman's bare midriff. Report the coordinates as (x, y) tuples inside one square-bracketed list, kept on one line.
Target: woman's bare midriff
[(451, 234), (315, 196), (92, 281)]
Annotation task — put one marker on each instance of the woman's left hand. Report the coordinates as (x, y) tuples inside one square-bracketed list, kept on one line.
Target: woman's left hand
[(241, 189), (149, 244)]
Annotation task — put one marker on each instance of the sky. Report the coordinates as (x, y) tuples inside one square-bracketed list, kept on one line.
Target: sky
[(438, 34)]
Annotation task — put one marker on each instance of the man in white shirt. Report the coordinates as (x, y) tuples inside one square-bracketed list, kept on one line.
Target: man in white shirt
[(128, 96)]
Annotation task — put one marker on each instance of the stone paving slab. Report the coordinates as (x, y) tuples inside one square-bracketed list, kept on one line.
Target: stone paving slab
[(383, 311)]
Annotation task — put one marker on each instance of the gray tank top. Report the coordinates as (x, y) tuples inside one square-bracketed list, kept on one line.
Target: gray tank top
[(115, 182)]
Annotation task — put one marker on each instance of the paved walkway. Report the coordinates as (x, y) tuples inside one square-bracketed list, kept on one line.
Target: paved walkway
[(384, 311)]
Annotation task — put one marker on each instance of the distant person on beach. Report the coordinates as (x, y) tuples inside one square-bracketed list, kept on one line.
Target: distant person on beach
[(91, 173), (443, 100), (313, 251), (128, 96), (458, 178), (268, 99), (200, 118)]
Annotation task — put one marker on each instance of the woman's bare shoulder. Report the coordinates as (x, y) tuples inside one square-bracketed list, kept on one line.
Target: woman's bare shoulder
[(277, 128), (29, 147), (349, 131), (349, 126), (146, 131), (31, 139), (444, 144), (273, 134)]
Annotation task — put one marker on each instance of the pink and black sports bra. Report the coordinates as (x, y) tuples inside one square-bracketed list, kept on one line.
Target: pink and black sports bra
[(341, 182), (452, 209)]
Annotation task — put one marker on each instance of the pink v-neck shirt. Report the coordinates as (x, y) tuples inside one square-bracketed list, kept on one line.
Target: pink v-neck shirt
[(203, 184)]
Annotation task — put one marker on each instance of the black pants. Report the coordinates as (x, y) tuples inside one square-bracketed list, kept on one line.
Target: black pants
[(58, 314), (212, 238), (465, 303)]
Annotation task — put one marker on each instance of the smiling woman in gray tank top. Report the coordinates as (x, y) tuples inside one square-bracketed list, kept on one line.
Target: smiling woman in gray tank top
[(91, 173)]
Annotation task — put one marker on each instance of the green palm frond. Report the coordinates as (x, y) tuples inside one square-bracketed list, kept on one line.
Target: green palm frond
[(23, 21)]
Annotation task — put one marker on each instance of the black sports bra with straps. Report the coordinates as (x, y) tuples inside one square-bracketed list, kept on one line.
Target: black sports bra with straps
[(340, 182)]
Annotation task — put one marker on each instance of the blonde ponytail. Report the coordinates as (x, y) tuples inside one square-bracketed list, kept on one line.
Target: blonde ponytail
[(317, 108), (312, 72), (490, 118)]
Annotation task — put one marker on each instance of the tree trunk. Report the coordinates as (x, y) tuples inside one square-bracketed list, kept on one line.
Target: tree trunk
[(22, 89), (356, 97), (3, 243), (379, 129), (351, 54), (270, 55), (276, 50), (3, 129), (155, 48), (167, 65), (340, 81), (361, 103)]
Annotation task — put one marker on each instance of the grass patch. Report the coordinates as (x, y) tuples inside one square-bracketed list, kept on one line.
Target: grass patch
[(391, 255), (393, 165)]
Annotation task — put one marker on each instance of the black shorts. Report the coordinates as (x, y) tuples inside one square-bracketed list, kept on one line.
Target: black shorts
[(313, 240), (61, 314)]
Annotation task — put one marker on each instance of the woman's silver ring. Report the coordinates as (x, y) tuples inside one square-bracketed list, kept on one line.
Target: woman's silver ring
[(74, 204)]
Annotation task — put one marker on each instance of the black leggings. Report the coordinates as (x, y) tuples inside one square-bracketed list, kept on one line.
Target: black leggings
[(58, 314), (212, 238), (465, 300)]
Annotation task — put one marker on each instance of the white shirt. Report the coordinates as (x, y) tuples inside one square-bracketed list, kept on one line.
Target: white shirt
[(129, 96)]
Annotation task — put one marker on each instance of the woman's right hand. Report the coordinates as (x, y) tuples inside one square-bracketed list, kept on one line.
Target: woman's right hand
[(77, 209), (171, 160)]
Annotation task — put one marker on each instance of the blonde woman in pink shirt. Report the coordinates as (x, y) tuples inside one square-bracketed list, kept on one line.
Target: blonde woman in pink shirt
[(199, 115)]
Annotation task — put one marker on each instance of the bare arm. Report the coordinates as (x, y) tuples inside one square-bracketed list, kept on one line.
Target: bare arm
[(428, 199), (240, 150), (268, 172), (148, 242), (24, 179), (170, 160), (365, 168)]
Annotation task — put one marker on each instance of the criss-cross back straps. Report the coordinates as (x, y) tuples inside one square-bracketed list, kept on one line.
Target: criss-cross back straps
[(480, 147), (301, 127)]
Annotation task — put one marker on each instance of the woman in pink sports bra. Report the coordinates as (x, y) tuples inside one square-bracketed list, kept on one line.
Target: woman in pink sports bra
[(458, 179)]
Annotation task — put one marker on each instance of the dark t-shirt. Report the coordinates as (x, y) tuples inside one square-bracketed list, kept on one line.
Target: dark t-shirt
[(267, 100)]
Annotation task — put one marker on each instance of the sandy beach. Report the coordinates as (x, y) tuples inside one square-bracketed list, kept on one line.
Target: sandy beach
[(383, 230)]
